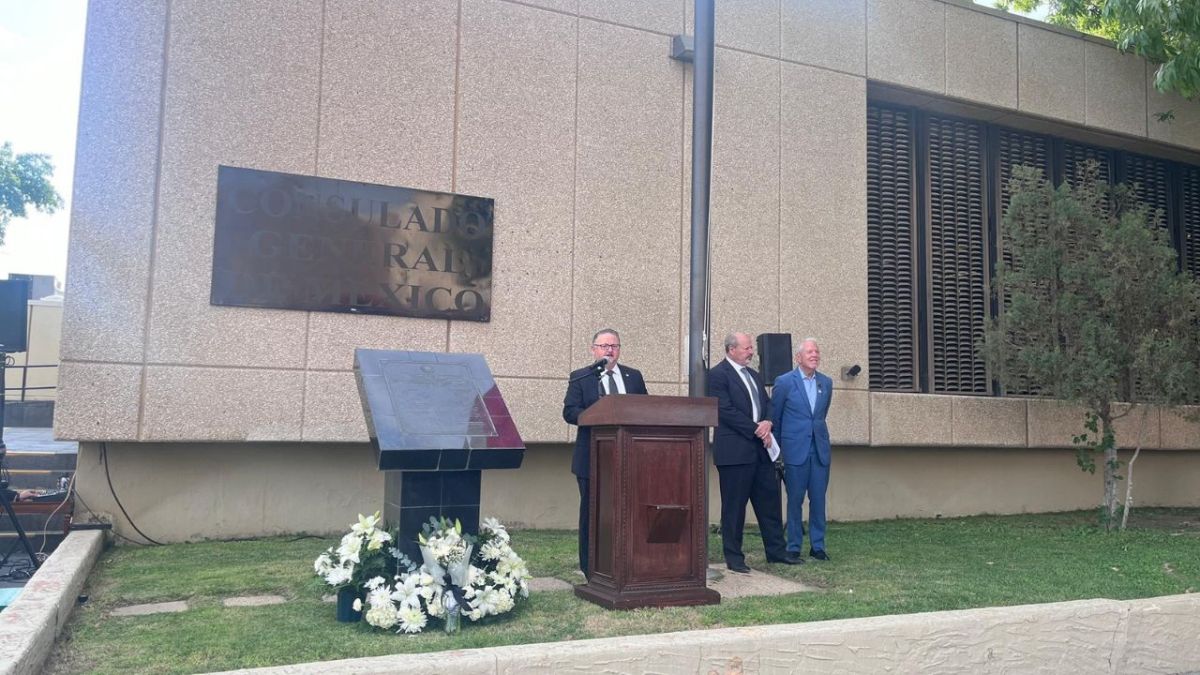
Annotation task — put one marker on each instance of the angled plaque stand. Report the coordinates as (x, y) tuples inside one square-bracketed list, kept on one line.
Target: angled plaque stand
[(649, 543), (435, 420)]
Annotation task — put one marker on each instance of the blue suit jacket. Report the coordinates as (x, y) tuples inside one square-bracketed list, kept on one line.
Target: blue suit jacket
[(581, 394), (734, 441), (801, 430)]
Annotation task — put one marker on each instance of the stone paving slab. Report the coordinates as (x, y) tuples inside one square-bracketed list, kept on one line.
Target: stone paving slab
[(538, 584), (728, 584), (254, 601), (733, 585), (151, 608)]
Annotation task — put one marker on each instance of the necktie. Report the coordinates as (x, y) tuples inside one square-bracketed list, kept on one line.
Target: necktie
[(612, 384), (753, 393)]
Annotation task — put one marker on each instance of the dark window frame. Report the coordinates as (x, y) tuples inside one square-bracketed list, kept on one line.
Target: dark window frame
[(1178, 195)]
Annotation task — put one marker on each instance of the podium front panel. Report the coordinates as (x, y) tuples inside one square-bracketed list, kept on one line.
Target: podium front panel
[(660, 540)]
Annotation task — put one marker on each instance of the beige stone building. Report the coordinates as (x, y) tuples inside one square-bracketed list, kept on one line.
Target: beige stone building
[(35, 370), (834, 120)]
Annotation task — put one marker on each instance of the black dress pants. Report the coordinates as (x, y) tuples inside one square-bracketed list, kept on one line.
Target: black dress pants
[(757, 484)]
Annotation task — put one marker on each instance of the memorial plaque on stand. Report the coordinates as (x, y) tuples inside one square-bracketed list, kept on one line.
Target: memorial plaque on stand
[(435, 420)]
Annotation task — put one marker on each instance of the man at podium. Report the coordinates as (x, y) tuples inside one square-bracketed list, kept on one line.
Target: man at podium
[(585, 387)]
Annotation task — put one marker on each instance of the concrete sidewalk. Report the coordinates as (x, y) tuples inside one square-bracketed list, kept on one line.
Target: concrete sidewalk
[(36, 439)]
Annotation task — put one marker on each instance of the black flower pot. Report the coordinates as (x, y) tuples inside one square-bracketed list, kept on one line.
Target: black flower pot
[(345, 605)]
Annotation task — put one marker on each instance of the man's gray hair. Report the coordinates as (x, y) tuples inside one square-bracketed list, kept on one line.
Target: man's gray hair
[(606, 331), (731, 340), (807, 339)]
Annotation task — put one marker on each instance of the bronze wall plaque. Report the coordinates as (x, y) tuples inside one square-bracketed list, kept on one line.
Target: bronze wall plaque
[(301, 242)]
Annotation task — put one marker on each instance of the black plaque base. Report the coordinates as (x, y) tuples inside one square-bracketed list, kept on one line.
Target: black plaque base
[(411, 498)]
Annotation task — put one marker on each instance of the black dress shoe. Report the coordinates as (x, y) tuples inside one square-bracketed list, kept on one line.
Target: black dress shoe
[(790, 559), (819, 553), (740, 568)]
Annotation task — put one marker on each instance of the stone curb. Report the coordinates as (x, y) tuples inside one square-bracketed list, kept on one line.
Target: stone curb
[(1092, 636), (29, 625)]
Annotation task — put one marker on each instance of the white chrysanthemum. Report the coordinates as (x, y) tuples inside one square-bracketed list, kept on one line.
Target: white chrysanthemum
[(357, 604), (524, 588), (412, 619), (379, 596), (374, 582)]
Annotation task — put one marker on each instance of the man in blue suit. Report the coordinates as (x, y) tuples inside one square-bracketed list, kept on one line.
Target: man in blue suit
[(585, 387), (744, 468), (800, 403)]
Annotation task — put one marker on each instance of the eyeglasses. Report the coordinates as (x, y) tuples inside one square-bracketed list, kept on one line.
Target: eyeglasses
[(612, 347)]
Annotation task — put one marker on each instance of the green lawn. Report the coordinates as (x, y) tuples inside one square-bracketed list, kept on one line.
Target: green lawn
[(879, 567)]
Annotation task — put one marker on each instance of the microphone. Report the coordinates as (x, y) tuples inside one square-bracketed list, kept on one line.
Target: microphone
[(593, 370)]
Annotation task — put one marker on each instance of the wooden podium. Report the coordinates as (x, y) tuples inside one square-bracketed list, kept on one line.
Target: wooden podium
[(648, 542)]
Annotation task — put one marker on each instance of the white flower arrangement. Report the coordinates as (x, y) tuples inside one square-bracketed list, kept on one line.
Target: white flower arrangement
[(360, 555), (460, 575)]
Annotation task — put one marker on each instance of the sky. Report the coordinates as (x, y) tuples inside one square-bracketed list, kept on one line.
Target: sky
[(41, 57)]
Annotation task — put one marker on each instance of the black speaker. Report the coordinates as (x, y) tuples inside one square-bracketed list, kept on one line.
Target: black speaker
[(14, 314), (774, 355)]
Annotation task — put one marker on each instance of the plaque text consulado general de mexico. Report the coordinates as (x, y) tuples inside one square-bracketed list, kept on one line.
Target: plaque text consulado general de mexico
[(301, 242)]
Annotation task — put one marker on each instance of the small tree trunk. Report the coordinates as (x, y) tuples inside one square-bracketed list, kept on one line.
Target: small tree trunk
[(1110, 471), (1129, 471)]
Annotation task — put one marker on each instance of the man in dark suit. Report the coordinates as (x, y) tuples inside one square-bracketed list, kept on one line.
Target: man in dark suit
[(800, 403), (584, 388), (740, 445)]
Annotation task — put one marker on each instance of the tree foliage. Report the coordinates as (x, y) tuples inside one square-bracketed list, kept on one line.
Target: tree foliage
[(1167, 32), (1096, 311), (24, 182)]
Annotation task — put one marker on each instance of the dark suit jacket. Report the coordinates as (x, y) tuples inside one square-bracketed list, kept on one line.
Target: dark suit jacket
[(800, 429), (734, 441), (582, 393)]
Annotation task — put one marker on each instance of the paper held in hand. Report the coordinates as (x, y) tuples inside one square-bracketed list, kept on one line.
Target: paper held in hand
[(773, 450)]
